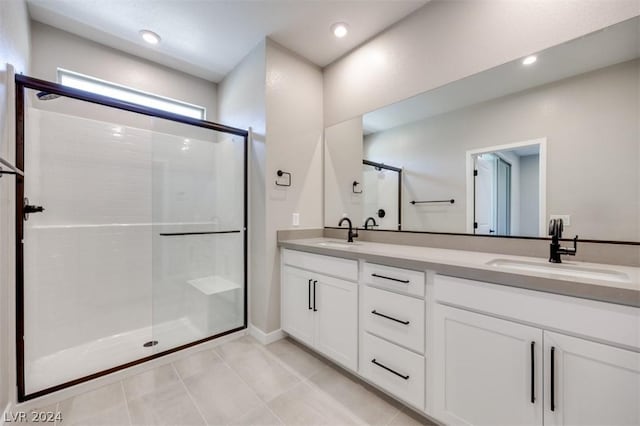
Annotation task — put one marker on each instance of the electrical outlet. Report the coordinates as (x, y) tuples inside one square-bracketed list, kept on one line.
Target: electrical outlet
[(296, 219), (566, 219)]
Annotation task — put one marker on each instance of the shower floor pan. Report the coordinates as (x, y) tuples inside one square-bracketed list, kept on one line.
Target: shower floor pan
[(107, 352)]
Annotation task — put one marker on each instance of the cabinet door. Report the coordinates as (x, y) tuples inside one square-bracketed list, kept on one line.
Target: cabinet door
[(592, 383), (487, 371), (297, 312), (336, 305)]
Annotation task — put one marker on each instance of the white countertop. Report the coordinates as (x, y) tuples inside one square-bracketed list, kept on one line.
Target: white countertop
[(476, 265)]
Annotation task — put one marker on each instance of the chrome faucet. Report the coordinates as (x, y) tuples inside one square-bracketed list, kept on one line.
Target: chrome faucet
[(555, 230), (366, 223), (352, 233)]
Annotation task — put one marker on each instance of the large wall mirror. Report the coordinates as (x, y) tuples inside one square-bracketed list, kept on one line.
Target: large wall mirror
[(554, 135)]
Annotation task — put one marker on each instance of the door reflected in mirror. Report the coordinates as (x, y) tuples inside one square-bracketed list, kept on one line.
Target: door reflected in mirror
[(506, 190)]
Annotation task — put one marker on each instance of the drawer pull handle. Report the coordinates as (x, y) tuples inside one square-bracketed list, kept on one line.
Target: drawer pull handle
[(552, 373), (389, 369), (374, 312), (391, 279), (533, 372), (315, 282)]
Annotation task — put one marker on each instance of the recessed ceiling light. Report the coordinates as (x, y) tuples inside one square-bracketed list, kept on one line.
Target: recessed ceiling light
[(339, 29), (150, 37), (529, 60)]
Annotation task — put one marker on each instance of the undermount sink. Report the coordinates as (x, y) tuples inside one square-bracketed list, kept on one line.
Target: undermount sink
[(564, 269), (335, 244)]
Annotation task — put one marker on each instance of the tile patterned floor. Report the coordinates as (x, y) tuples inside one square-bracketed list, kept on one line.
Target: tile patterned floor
[(239, 383)]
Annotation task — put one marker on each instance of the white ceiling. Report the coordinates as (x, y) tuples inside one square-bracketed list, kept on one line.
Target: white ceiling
[(207, 38)]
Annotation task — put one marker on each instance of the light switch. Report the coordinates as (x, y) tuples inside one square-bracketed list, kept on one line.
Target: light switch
[(296, 219)]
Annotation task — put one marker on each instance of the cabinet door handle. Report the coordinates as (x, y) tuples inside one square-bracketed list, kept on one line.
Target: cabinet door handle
[(314, 295), (389, 369), (553, 379), (533, 372), (309, 300), (391, 279), (374, 312)]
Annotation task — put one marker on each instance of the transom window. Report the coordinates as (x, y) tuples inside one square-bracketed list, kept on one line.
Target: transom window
[(113, 90)]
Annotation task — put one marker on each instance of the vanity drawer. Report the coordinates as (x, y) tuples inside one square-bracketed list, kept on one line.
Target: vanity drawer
[(395, 369), (396, 279), (327, 265), (393, 316)]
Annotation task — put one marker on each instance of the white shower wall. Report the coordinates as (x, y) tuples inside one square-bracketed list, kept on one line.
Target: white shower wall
[(88, 256), (96, 267)]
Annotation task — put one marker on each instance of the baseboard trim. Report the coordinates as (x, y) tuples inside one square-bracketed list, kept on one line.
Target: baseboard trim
[(265, 338)]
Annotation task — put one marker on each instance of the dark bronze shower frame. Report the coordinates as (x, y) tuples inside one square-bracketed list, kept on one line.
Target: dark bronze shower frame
[(393, 169), (24, 82)]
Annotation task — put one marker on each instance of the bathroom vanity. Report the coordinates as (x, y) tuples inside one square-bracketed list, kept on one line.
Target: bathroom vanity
[(469, 337)]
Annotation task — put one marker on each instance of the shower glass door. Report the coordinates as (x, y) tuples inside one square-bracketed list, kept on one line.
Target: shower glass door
[(381, 193), (139, 247), (198, 234)]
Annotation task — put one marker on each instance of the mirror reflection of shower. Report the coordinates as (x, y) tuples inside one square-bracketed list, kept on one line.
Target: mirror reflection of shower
[(382, 186)]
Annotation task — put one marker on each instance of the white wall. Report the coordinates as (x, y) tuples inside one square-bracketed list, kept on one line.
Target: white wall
[(241, 103), (53, 48), (342, 166), (14, 49), (279, 95), (448, 40), (591, 125), (294, 144)]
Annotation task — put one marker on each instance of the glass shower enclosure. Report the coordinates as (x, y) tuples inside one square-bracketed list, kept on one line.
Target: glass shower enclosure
[(382, 195), (131, 234)]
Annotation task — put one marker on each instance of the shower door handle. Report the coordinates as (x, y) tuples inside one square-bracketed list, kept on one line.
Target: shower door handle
[(30, 208)]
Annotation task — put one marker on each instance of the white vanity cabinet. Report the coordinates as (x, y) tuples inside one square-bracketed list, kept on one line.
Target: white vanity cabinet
[(490, 371), (320, 310)]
